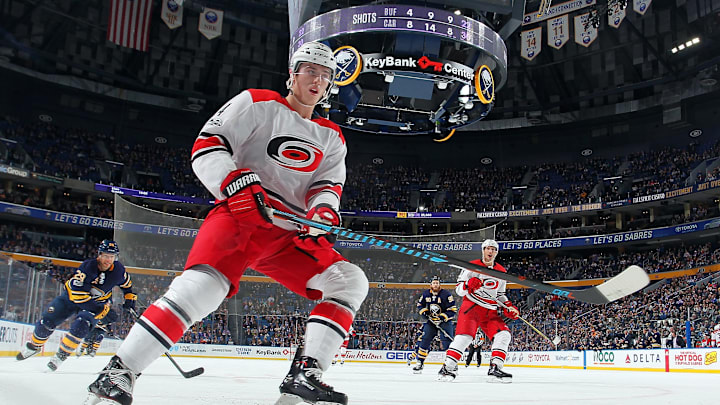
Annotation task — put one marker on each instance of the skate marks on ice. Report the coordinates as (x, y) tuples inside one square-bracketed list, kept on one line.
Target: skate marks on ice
[(255, 382)]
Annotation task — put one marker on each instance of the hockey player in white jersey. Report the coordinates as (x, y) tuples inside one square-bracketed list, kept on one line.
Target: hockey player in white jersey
[(261, 150), (480, 309), (715, 336)]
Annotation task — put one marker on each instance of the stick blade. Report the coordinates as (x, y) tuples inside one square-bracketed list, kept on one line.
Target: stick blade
[(194, 373), (629, 281)]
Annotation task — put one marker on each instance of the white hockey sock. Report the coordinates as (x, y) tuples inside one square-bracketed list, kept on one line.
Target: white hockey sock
[(139, 349), (321, 343), (191, 297), (500, 344)]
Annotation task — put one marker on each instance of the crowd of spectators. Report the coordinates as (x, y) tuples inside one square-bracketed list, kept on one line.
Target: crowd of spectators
[(265, 313), (379, 265), (80, 154)]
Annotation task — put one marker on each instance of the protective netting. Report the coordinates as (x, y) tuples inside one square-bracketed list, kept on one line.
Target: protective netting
[(477, 235), (384, 265), (152, 239)]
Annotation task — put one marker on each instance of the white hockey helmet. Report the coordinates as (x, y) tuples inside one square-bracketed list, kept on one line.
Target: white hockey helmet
[(313, 52), (490, 242), (717, 327)]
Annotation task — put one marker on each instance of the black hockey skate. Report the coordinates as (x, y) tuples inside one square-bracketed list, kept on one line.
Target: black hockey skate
[(446, 373), (418, 367), (497, 375), (29, 351), (57, 359), (113, 386), (303, 384)]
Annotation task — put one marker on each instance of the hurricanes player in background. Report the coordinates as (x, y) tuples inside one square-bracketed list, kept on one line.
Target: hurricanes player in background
[(261, 150), (479, 309)]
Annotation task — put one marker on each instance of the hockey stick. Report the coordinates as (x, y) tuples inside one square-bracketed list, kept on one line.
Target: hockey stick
[(187, 374), (627, 282), (447, 335), (554, 341)]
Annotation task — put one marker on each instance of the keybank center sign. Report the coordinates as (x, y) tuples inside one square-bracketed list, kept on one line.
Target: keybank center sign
[(423, 64)]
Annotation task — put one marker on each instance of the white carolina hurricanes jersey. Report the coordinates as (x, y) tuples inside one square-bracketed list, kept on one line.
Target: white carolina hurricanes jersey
[(300, 162), (715, 338), (492, 286)]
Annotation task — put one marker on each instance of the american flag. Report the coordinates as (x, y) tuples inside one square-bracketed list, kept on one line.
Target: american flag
[(129, 23)]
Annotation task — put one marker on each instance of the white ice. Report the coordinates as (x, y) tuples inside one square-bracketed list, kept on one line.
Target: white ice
[(255, 382)]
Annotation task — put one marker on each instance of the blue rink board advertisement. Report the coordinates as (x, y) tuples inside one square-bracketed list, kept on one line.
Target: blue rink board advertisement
[(621, 237)]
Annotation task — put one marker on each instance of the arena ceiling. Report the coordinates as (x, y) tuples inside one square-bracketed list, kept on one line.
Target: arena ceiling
[(626, 69)]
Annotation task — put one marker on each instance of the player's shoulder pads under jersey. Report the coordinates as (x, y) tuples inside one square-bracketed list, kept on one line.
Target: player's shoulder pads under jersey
[(324, 122), (260, 95)]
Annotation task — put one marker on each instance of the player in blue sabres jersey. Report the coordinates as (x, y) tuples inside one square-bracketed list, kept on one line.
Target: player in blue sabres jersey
[(86, 300), (438, 306)]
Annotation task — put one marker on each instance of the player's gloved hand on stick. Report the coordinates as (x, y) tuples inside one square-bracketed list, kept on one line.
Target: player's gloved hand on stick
[(511, 311), (129, 305), (246, 198), (310, 238), (443, 317), (473, 284)]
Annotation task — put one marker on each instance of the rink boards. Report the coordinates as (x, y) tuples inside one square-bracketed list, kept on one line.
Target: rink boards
[(692, 360)]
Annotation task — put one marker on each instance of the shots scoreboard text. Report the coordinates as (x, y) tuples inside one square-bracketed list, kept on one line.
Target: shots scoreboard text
[(403, 18)]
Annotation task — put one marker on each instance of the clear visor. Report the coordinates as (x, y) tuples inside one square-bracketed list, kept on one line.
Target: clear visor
[(107, 256), (323, 73)]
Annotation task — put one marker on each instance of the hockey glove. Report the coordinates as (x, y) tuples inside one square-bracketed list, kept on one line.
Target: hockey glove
[(444, 317), (511, 311), (129, 303), (246, 199), (473, 284), (309, 238)]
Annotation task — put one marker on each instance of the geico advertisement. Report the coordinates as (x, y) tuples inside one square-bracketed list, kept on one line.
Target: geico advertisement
[(624, 359), (694, 359)]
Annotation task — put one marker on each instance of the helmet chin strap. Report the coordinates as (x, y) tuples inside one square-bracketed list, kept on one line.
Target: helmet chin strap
[(301, 103)]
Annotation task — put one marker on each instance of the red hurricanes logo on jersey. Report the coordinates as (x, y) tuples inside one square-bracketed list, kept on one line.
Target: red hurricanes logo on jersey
[(490, 283), (295, 153)]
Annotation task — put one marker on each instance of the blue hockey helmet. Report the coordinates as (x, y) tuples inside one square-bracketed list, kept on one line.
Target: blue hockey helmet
[(108, 246), (436, 278)]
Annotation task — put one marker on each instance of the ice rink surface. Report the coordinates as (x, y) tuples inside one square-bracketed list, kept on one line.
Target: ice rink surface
[(252, 382)]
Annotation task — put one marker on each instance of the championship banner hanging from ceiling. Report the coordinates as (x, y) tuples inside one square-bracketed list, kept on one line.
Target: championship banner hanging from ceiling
[(616, 15), (531, 43), (555, 10), (558, 31), (210, 23), (172, 13), (641, 6), (585, 33)]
